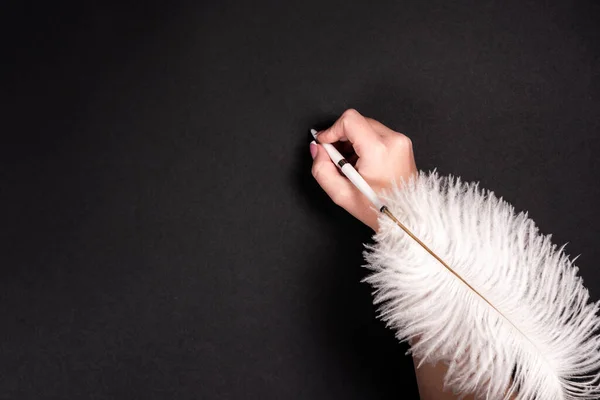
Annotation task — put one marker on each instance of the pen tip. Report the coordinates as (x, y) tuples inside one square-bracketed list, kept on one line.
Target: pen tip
[(313, 132)]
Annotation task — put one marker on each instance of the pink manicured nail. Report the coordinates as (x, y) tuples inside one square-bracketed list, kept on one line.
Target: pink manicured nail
[(313, 149)]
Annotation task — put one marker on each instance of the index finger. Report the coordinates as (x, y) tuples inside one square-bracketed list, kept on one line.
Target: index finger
[(353, 127)]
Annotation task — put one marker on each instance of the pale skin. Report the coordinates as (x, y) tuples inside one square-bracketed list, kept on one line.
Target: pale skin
[(380, 155)]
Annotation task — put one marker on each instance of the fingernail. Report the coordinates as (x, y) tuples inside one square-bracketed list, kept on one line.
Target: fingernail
[(313, 149)]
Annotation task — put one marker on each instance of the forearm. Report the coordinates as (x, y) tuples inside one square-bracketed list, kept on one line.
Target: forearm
[(505, 304), (430, 379)]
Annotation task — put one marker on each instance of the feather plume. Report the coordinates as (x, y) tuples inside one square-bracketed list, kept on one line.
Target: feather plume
[(524, 322)]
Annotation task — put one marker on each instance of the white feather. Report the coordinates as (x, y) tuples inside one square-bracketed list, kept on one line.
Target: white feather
[(530, 313)]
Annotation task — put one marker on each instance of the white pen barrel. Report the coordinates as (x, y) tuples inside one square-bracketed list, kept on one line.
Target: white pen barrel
[(352, 175), (335, 155), (362, 185)]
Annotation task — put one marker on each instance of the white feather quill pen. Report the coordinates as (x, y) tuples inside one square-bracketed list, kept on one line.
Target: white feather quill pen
[(508, 313)]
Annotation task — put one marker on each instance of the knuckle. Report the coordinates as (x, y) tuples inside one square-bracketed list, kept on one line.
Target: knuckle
[(402, 141), (350, 114), (341, 197)]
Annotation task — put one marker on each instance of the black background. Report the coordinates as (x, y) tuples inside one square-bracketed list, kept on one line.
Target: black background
[(162, 237)]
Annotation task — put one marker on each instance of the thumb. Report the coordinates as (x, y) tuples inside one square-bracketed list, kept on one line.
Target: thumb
[(337, 186)]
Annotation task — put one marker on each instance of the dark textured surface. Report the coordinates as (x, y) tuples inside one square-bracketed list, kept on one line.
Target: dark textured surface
[(162, 237)]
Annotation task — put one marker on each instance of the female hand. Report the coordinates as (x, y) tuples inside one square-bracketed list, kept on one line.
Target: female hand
[(378, 153)]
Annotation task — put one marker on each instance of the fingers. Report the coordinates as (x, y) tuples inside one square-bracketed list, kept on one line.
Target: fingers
[(380, 154), (337, 186), (353, 126)]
